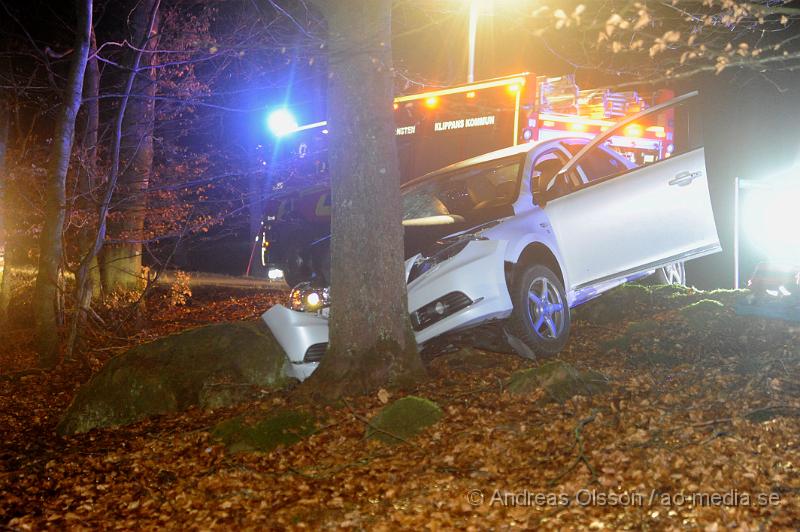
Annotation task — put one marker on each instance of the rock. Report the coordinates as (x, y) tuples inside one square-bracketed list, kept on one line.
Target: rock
[(222, 395), (285, 427), (404, 418), (559, 380), (176, 372)]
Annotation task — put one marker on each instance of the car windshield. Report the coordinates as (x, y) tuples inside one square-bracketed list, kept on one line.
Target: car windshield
[(461, 192)]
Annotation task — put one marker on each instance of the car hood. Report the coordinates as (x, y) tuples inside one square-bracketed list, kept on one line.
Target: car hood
[(417, 239)]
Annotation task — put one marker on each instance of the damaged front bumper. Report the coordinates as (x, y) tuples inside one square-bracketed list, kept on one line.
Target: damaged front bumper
[(303, 337), (464, 291)]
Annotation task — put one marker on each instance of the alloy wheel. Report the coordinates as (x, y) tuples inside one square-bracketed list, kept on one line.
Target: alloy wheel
[(545, 309)]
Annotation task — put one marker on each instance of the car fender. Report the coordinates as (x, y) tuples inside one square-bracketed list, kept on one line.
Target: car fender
[(527, 229)]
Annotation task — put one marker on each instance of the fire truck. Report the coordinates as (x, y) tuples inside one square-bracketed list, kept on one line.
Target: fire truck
[(439, 127)]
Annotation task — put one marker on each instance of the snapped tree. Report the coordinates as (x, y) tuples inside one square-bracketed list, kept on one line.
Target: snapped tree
[(371, 343)]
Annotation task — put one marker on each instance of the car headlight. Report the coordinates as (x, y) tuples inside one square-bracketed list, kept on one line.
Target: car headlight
[(306, 298), (442, 251)]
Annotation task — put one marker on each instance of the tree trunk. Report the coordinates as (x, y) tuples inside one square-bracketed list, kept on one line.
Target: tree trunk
[(14, 311), (371, 343), (50, 243), (82, 277), (122, 261), (87, 176), (5, 127), (90, 288)]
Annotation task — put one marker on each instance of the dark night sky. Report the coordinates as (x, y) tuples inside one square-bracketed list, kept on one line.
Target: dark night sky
[(750, 120)]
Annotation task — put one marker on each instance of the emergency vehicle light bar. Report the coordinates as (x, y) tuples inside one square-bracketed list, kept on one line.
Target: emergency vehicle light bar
[(519, 79), (575, 120)]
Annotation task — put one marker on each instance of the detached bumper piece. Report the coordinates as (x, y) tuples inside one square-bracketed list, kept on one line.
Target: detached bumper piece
[(439, 309), (302, 335)]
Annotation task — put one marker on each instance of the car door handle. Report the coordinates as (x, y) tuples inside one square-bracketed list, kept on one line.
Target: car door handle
[(684, 178)]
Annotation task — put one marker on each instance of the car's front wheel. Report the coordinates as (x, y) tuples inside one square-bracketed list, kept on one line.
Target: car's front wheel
[(541, 317)]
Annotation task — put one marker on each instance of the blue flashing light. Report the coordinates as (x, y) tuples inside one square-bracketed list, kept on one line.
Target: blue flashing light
[(281, 122)]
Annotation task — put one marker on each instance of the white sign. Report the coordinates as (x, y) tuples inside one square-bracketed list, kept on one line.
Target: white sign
[(464, 123), (406, 130)]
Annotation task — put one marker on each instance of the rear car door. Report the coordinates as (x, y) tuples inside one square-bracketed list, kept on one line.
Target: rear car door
[(617, 219)]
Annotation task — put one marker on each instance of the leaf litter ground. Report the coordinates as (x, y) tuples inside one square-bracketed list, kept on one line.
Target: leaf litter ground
[(699, 430)]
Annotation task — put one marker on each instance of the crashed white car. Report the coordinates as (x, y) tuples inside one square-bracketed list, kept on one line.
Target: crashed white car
[(526, 233)]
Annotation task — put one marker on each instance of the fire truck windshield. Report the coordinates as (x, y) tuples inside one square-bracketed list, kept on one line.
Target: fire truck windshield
[(461, 193)]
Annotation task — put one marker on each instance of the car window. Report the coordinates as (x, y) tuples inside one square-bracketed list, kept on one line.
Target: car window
[(598, 163), (545, 170), (649, 139), (463, 191)]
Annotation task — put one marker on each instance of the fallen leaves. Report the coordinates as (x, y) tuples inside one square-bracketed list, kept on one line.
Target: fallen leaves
[(664, 429)]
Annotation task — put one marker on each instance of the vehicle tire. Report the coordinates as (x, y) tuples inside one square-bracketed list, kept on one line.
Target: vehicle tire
[(541, 317), (674, 273)]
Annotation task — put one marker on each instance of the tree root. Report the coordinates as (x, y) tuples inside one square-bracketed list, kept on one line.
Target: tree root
[(581, 457)]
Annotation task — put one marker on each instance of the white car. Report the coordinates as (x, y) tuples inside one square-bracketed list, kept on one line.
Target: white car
[(526, 233)]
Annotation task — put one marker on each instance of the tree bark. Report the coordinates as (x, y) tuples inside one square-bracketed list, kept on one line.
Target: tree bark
[(50, 241), (14, 311), (5, 127), (87, 176), (82, 277), (371, 343), (89, 285), (122, 261)]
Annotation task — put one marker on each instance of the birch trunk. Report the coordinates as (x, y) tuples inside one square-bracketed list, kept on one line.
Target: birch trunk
[(50, 241)]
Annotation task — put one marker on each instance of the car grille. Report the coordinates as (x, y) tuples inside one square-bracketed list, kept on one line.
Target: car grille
[(315, 353), (439, 309)]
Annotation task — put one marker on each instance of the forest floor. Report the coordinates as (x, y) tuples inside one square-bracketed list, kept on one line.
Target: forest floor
[(700, 430)]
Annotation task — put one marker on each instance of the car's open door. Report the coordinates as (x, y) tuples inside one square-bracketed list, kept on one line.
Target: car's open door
[(614, 220)]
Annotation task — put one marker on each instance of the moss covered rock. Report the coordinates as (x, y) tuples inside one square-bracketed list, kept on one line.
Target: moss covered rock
[(175, 372), (403, 419), (559, 380), (221, 395), (285, 427)]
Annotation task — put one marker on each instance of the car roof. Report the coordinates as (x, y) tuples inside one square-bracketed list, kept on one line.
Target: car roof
[(491, 156)]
